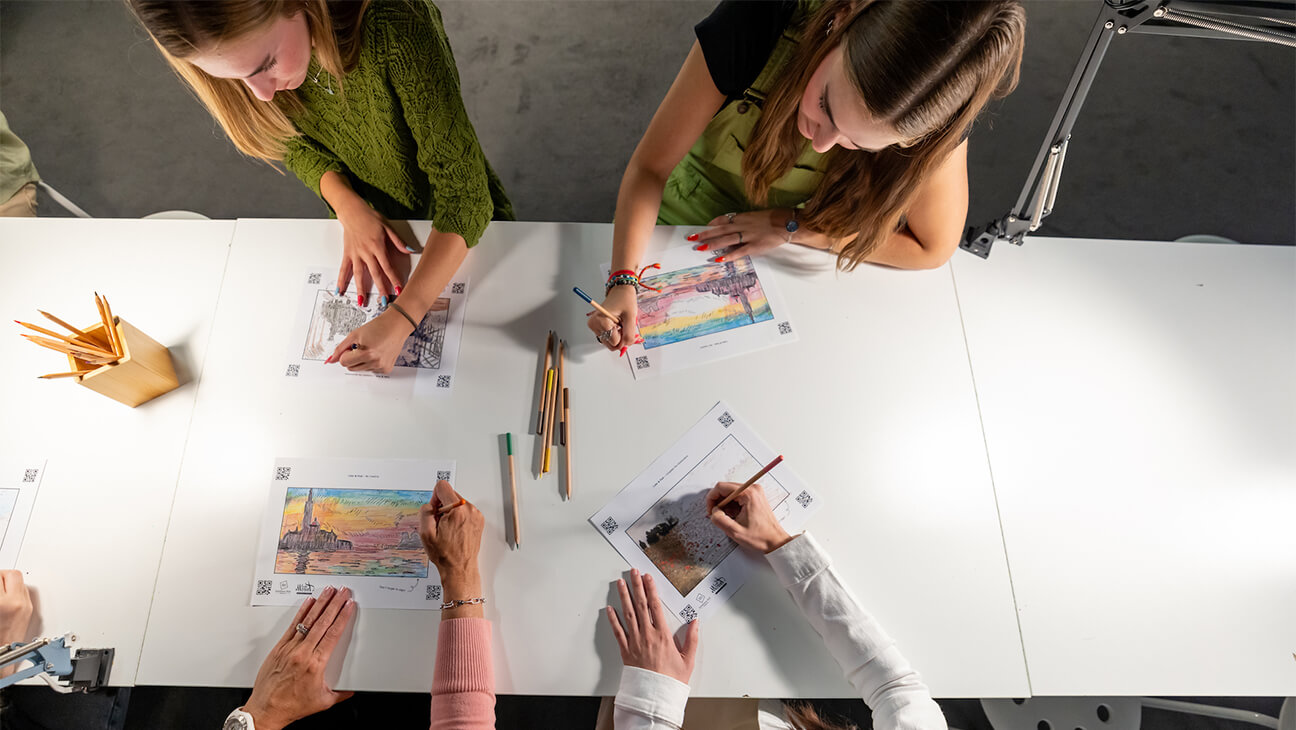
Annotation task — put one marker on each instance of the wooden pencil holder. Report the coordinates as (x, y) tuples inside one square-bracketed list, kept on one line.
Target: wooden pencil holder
[(143, 373)]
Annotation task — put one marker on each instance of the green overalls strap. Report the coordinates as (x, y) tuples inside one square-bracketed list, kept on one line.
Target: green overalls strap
[(708, 182)]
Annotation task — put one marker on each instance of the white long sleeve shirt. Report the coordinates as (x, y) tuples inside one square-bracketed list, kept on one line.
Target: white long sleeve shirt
[(872, 664)]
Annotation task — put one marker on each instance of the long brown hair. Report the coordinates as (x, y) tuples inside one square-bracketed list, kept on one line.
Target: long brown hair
[(803, 716), (926, 67), (257, 128)]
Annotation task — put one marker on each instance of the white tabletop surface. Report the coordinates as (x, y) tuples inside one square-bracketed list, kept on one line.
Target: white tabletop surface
[(1139, 404), (874, 406), (96, 532)]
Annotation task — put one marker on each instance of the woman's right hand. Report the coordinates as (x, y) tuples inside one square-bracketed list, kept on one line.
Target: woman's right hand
[(368, 246), (748, 520), (452, 541), (622, 301)]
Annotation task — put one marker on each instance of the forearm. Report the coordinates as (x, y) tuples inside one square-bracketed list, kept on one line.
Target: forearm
[(638, 202), (337, 192), (903, 250), (443, 254), (462, 585)]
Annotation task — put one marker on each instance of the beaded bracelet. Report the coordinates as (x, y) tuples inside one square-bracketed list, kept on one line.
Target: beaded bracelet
[(630, 278), (469, 602)]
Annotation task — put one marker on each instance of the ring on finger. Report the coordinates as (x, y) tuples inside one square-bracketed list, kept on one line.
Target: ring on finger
[(604, 335), (730, 216), (739, 238), (303, 629)]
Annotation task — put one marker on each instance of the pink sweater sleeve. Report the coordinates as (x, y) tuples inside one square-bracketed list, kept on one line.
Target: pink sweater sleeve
[(463, 683)]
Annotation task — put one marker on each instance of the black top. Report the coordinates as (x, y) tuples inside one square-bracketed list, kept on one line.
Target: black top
[(737, 39)]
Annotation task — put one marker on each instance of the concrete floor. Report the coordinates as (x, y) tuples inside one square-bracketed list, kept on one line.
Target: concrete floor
[(1179, 136)]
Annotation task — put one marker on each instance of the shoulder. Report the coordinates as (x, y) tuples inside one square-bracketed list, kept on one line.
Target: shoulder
[(396, 25), (738, 37)]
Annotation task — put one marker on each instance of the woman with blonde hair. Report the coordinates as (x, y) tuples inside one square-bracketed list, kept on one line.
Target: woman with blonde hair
[(361, 101), (839, 125)]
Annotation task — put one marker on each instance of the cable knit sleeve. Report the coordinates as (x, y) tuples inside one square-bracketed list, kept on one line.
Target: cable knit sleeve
[(309, 160), (463, 683), (421, 70)]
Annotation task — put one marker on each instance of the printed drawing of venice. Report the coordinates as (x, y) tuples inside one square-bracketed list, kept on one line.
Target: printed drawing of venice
[(364, 532), (701, 300)]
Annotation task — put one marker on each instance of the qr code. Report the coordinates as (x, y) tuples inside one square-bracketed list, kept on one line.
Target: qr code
[(804, 499), (458, 287), (641, 362), (313, 278), (609, 525), (443, 381), (718, 584), (725, 419), (29, 475), (785, 328), (443, 475), (687, 613), (433, 592), (293, 371), (263, 588), (282, 473)]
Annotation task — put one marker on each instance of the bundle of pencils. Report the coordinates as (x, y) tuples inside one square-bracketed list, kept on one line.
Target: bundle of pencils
[(554, 406), (98, 349)]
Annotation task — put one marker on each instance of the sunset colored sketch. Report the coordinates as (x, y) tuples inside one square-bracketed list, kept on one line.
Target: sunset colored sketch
[(701, 300)]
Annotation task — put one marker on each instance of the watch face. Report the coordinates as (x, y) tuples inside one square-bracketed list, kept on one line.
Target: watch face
[(237, 722), (792, 226)]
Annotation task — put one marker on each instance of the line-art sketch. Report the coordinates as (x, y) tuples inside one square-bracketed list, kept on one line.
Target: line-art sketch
[(701, 300), (423, 347), (362, 532), (675, 533), (332, 319)]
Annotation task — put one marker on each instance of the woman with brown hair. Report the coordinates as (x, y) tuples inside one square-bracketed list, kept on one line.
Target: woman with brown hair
[(839, 125), (361, 101)]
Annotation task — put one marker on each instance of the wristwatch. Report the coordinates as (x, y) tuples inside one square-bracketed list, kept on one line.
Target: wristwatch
[(238, 720), (791, 226)]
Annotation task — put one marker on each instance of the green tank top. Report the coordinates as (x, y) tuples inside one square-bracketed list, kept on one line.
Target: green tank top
[(708, 182)]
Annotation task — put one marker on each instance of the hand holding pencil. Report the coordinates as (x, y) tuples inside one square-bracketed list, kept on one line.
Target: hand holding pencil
[(618, 316), (747, 519)]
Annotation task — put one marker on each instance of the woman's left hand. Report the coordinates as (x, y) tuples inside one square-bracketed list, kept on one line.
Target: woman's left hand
[(747, 234), (377, 344)]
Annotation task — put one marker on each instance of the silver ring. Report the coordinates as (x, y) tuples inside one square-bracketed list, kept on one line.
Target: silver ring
[(604, 335), (739, 238), (730, 216), (303, 629)]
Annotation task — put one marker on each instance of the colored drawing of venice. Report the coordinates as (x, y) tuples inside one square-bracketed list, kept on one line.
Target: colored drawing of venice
[(676, 534), (701, 300), (366, 532), (334, 316)]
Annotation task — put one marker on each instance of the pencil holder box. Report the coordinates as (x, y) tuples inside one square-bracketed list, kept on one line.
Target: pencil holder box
[(144, 373)]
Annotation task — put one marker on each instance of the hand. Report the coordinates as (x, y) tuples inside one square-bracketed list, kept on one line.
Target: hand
[(750, 234), (368, 247), (15, 612), (290, 684), (647, 641), (378, 343), (748, 519), (622, 301), (452, 540)]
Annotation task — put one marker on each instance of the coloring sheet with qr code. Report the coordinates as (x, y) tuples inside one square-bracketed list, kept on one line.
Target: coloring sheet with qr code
[(426, 364), (659, 522), (19, 482), (706, 311), (348, 523)]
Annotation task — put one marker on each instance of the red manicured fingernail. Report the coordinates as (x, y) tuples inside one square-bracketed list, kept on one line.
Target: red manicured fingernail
[(398, 291), (720, 259), (701, 247), (328, 359), (360, 299), (623, 352), (692, 237)]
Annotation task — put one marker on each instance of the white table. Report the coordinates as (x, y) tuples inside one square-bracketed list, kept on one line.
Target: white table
[(1139, 403), (96, 533), (874, 406)]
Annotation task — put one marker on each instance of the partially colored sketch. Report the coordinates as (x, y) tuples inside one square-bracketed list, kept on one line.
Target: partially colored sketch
[(332, 319), (423, 347), (364, 532), (701, 300), (675, 533)]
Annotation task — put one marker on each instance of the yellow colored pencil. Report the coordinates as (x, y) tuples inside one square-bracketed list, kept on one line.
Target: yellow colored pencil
[(113, 338)]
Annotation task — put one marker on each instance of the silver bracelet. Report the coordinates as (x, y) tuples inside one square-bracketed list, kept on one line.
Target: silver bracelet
[(469, 602)]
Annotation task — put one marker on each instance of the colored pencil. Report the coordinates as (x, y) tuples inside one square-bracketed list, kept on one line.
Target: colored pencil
[(596, 305), (748, 483), (103, 317), (456, 505), (544, 390), (62, 375), (567, 441), (113, 338), (61, 323), (69, 349), (550, 410), (562, 386), (52, 333), (517, 522)]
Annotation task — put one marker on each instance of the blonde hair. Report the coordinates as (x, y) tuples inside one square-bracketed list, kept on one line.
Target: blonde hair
[(803, 716), (926, 67), (257, 128)]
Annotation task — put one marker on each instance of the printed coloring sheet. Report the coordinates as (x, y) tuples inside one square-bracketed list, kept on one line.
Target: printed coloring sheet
[(19, 482), (348, 523), (659, 522), (325, 319)]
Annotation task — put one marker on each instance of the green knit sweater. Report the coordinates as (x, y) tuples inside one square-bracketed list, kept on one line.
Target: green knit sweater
[(397, 128)]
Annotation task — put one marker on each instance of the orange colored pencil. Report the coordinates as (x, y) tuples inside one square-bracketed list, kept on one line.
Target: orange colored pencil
[(52, 333), (456, 505), (69, 349), (51, 376), (113, 338), (61, 323)]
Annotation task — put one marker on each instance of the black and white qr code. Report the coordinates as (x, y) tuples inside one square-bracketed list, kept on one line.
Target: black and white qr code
[(313, 278), (433, 593), (263, 588), (718, 584), (29, 475), (293, 371), (443, 381), (785, 327), (725, 419), (443, 474), (458, 287), (609, 525), (687, 613), (282, 473), (804, 499), (641, 362)]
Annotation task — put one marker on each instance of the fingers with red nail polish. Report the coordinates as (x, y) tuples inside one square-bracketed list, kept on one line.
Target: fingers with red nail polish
[(691, 237), (720, 259), (701, 247)]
